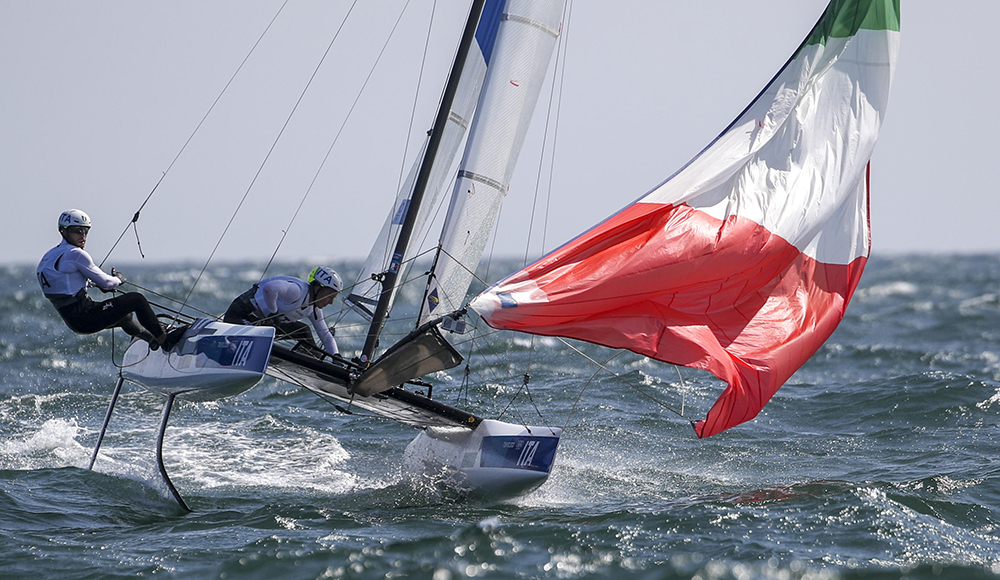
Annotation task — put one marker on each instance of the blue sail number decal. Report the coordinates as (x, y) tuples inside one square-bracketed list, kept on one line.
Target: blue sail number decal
[(519, 452)]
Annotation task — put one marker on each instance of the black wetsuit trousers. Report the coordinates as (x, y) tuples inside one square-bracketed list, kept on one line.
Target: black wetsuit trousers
[(87, 316)]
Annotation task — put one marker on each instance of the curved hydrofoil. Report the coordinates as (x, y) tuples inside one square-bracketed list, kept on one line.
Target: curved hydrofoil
[(211, 360)]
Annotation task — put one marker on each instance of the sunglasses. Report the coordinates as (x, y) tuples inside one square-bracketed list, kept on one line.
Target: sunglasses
[(78, 230)]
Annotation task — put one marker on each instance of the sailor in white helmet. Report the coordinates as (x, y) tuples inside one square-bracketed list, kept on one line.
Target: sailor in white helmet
[(281, 301), (67, 270)]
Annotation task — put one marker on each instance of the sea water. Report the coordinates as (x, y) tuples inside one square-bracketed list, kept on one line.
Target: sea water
[(878, 459)]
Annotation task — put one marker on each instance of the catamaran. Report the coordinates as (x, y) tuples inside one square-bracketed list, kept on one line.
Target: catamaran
[(741, 263)]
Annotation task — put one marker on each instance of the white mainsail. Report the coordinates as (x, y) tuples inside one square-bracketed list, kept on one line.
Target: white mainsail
[(524, 44), (365, 293)]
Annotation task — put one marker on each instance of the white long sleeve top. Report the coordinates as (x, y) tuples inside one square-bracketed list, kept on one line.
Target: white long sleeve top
[(288, 298), (67, 269)]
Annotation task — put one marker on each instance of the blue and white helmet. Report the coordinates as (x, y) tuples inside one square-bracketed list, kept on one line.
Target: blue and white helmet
[(327, 277), (73, 217)]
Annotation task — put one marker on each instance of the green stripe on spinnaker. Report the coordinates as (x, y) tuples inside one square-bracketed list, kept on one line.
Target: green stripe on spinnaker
[(844, 18)]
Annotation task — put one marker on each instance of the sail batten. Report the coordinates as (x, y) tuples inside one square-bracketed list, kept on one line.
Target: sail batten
[(743, 262)]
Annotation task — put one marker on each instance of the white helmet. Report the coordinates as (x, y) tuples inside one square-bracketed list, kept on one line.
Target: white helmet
[(326, 277), (73, 217)]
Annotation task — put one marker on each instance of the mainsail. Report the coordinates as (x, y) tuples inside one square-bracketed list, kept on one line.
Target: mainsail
[(365, 292), (743, 262), (524, 43), (514, 39)]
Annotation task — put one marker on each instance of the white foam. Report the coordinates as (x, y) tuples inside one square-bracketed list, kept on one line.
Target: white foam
[(973, 306), (240, 454), (53, 445), (888, 289)]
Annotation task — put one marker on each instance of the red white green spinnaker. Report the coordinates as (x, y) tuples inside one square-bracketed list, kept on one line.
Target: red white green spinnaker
[(743, 262)]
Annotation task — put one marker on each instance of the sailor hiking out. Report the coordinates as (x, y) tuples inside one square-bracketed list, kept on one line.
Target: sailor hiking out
[(282, 301), (67, 270)]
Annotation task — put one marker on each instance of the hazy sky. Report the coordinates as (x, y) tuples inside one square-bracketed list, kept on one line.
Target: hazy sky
[(100, 96)]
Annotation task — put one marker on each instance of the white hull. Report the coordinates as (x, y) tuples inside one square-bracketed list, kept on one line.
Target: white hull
[(212, 361), (496, 459)]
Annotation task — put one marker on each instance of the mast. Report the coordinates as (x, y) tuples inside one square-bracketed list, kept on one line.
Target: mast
[(391, 276)]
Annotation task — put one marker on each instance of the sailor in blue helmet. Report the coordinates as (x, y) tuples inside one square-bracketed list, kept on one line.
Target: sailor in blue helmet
[(67, 270), (282, 300)]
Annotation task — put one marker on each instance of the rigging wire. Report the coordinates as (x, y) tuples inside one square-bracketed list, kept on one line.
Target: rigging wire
[(471, 351), (178, 313), (579, 396), (336, 138), (561, 73), (683, 388), (475, 331), (404, 266), (416, 93), (135, 218), (534, 207), (490, 367), (622, 379), (437, 211), (554, 100), (527, 392), (122, 365), (268, 155), (555, 131), (463, 391), (413, 114), (558, 79)]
